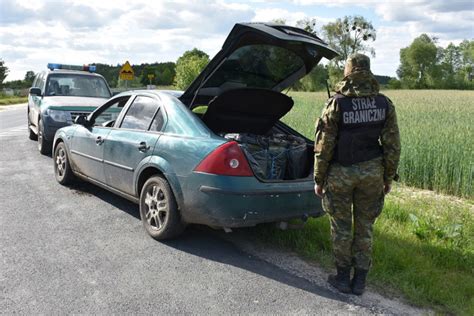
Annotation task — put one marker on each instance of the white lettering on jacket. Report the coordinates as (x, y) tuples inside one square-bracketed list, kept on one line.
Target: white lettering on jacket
[(364, 110)]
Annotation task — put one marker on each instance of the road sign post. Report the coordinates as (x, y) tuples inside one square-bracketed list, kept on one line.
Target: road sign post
[(126, 73), (150, 77)]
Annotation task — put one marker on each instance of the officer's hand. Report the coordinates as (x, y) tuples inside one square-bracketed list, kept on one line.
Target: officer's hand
[(387, 187), (318, 189)]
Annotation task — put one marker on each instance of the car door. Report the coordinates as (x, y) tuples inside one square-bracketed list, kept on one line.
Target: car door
[(31, 99), (130, 143), (87, 149), (34, 101)]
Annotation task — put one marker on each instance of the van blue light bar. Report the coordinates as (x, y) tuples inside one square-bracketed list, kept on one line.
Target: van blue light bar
[(53, 66)]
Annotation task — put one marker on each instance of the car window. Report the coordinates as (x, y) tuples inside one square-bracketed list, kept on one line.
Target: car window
[(158, 121), (77, 85), (35, 82), (108, 116), (140, 113), (261, 66), (40, 82)]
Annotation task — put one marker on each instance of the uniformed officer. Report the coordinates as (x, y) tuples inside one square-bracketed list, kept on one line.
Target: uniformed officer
[(357, 149)]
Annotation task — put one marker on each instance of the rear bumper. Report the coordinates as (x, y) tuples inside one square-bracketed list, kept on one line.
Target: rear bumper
[(269, 192), (242, 202)]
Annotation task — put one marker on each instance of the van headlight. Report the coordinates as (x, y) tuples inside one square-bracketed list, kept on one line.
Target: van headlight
[(57, 115)]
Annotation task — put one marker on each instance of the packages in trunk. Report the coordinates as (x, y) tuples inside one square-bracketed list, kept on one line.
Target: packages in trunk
[(275, 157)]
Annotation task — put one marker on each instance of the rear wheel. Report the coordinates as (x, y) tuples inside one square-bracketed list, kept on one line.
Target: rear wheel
[(44, 146), (31, 134), (62, 168), (159, 211)]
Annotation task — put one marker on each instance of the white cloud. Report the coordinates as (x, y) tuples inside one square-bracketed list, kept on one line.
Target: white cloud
[(333, 3), (449, 21), (33, 33), (443, 18), (270, 14), (111, 31), (390, 39)]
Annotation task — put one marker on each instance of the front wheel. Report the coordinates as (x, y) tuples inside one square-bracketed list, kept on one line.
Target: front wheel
[(44, 146), (159, 211), (62, 168)]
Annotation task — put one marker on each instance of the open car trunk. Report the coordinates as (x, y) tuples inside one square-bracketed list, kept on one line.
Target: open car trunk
[(276, 156), (241, 86), (251, 117)]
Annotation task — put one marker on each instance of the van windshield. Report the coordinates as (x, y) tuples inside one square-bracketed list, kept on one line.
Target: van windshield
[(77, 85)]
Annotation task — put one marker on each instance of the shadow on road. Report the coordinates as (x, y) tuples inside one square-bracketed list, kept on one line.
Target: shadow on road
[(82, 187), (206, 243)]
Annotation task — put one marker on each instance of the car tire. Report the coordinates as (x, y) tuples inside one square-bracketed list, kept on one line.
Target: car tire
[(159, 211), (44, 146), (31, 134), (62, 167)]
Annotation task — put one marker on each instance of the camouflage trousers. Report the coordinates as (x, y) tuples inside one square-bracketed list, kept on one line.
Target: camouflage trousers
[(353, 198)]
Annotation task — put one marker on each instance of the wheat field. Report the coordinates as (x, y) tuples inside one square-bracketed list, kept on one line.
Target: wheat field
[(437, 135)]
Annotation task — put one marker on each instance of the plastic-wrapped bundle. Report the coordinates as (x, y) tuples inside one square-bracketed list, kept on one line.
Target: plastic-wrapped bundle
[(267, 155), (297, 166), (275, 157)]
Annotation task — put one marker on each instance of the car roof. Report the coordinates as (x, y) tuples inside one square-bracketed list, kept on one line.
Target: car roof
[(174, 93), (72, 72)]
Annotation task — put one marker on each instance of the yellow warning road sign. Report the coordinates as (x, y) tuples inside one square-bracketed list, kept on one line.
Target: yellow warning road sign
[(126, 72)]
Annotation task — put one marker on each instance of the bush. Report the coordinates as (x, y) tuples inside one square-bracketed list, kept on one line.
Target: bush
[(188, 67)]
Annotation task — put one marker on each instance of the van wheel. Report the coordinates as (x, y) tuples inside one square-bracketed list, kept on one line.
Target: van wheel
[(62, 168), (44, 146), (159, 211)]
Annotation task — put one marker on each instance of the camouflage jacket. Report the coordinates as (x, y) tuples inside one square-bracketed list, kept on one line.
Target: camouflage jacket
[(357, 84)]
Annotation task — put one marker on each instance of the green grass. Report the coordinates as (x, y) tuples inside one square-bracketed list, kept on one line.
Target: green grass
[(423, 242), (437, 135), (423, 249), (12, 100)]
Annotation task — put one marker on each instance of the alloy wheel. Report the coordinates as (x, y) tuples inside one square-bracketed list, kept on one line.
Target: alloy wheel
[(61, 162), (157, 207)]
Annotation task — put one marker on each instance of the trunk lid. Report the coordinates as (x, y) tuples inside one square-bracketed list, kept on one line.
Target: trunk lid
[(258, 55)]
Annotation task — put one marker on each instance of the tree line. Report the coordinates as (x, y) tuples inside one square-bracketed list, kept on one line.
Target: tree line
[(423, 64)]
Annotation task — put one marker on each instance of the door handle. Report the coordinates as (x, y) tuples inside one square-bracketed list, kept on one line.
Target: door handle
[(99, 140), (143, 147)]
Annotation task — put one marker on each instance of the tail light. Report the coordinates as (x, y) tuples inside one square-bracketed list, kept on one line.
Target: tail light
[(227, 160)]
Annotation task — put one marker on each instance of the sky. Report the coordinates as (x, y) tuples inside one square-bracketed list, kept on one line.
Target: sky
[(33, 33)]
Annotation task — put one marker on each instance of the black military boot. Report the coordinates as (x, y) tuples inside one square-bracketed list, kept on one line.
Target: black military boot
[(358, 282), (341, 280)]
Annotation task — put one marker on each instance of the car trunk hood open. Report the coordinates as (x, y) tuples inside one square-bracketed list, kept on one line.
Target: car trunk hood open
[(246, 110), (258, 55)]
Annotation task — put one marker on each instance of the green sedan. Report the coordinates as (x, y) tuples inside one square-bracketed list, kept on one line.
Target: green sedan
[(216, 154)]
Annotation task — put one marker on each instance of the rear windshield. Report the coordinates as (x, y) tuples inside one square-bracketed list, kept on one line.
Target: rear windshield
[(259, 66), (77, 86)]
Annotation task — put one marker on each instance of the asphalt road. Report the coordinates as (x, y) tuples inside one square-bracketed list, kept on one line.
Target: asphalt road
[(81, 249), (12, 117)]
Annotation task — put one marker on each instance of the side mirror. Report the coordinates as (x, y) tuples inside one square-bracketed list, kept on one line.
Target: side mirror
[(35, 91), (82, 120)]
